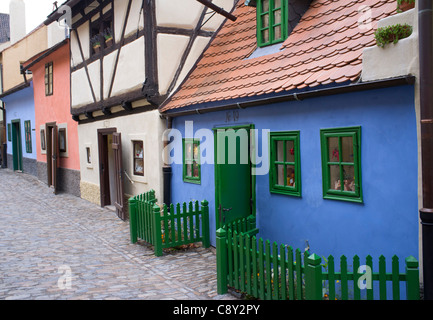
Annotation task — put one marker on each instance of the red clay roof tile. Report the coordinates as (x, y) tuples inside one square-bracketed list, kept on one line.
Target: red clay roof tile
[(324, 48)]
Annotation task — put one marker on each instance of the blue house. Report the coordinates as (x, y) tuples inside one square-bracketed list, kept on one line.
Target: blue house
[(287, 117), (21, 136)]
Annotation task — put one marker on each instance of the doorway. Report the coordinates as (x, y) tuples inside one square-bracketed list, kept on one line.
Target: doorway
[(110, 170), (234, 183), (52, 155), (17, 151)]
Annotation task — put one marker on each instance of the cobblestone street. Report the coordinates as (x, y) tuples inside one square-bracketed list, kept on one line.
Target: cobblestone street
[(45, 238)]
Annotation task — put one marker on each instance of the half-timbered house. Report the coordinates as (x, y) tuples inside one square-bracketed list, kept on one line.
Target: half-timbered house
[(127, 56)]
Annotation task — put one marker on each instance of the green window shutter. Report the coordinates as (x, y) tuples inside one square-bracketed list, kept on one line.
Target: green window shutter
[(28, 134), (191, 160), (272, 21), (341, 163), (285, 164)]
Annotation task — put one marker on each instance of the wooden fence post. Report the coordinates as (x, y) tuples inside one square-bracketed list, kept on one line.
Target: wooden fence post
[(132, 203), (412, 279), (221, 254), (205, 223), (313, 278), (157, 230)]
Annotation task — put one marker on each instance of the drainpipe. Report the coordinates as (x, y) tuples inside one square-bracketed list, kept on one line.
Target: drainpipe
[(425, 21), (166, 169)]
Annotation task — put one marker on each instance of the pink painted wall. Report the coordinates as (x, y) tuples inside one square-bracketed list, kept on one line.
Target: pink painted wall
[(56, 108)]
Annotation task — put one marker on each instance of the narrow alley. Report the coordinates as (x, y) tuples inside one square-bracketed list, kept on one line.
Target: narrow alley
[(63, 247)]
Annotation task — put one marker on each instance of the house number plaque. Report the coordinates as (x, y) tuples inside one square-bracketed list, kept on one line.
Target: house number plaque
[(232, 116)]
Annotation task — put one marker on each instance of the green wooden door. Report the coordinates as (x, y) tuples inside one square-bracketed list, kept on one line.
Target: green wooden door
[(233, 180), (17, 152)]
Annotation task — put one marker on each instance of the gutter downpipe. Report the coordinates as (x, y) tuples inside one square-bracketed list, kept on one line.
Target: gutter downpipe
[(425, 21), (166, 169)]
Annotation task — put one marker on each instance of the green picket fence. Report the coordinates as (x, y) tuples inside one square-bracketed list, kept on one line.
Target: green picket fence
[(243, 225), (168, 227), (277, 272)]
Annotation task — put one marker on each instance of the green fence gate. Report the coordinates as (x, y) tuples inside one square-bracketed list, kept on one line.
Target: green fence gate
[(168, 227)]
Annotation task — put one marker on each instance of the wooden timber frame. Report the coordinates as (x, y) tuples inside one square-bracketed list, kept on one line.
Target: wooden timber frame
[(150, 88)]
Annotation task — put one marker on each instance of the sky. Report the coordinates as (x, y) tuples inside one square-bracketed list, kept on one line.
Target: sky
[(36, 11)]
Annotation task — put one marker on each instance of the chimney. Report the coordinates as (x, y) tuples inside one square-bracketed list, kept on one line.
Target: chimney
[(17, 11)]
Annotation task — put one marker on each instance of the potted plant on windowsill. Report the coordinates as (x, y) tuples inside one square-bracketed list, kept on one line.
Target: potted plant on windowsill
[(404, 5), (108, 36), (392, 34), (96, 44)]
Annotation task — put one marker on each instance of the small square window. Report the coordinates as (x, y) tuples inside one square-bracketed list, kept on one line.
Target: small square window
[(341, 163), (285, 170), (138, 158), (88, 155), (191, 161)]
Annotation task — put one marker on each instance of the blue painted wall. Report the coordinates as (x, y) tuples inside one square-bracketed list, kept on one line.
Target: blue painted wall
[(386, 223), (21, 105)]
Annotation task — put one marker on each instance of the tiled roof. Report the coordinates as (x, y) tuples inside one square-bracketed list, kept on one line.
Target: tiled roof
[(324, 48)]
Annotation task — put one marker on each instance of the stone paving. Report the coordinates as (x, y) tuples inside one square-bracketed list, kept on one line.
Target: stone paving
[(60, 247)]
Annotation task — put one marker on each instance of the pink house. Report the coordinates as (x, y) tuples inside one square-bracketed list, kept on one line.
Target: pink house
[(56, 133)]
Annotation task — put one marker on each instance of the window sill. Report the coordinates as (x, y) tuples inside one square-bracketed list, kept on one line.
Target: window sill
[(343, 198), (287, 192), (192, 181)]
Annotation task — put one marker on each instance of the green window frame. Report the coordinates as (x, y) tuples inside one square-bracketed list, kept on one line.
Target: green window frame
[(28, 135), (191, 160), (9, 132), (272, 21), (341, 162), (285, 164)]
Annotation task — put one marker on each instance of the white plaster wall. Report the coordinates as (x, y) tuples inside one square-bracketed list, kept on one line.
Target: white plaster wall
[(214, 23), (17, 11), (181, 14), (130, 73), (83, 34), (394, 59), (170, 51), (198, 46), (135, 20), (95, 78), (80, 89), (146, 126), (120, 7)]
